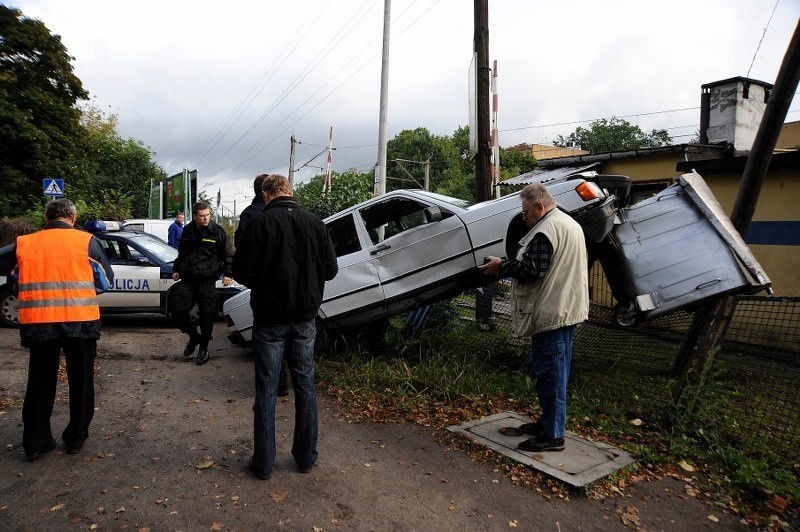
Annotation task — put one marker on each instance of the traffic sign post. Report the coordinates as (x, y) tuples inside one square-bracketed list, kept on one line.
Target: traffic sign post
[(53, 187)]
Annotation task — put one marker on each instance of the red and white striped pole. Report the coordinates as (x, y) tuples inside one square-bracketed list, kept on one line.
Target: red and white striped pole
[(495, 139), (330, 162)]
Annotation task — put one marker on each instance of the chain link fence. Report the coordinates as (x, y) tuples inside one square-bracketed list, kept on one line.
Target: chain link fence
[(748, 395)]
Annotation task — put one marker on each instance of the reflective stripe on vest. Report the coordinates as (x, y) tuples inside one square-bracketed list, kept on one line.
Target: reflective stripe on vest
[(56, 282)]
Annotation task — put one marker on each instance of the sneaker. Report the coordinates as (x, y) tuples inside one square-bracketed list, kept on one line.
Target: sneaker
[(542, 443), (190, 347), (202, 356)]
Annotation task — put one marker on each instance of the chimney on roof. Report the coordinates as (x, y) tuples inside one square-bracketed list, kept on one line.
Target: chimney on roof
[(731, 111)]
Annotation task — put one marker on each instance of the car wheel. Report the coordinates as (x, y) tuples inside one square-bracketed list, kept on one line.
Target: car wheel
[(9, 313), (625, 314)]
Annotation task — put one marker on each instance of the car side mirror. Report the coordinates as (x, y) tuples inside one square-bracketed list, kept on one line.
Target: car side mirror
[(433, 214)]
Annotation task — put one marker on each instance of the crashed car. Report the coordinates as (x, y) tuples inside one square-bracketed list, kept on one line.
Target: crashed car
[(408, 248), (142, 265)]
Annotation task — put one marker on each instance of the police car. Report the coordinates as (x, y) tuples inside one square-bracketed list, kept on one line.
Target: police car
[(408, 248), (142, 265)]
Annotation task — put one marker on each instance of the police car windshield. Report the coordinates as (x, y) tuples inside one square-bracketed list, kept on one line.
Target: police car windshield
[(156, 247)]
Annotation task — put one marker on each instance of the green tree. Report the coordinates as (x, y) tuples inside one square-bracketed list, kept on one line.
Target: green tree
[(616, 134), (116, 172), (347, 189), (39, 121), (515, 162), (408, 153)]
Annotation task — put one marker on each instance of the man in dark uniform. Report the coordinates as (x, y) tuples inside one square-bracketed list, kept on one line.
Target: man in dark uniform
[(60, 272), (204, 253)]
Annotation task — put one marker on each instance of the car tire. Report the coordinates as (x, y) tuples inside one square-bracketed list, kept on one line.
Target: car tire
[(625, 314), (9, 308)]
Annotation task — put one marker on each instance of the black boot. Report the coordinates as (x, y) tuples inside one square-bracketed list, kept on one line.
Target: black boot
[(191, 346)]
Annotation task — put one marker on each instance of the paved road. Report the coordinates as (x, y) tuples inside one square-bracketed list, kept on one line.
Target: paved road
[(170, 442)]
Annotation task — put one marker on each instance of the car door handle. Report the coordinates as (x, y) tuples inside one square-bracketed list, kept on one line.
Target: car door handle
[(380, 248)]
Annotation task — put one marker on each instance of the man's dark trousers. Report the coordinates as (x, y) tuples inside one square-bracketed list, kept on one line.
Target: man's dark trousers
[(188, 292), (41, 391)]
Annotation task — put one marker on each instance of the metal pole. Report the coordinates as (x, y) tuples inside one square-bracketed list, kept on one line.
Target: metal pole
[(292, 142), (380, 170)]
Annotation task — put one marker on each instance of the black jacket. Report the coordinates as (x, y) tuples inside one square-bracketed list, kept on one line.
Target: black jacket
[(254, 209), (204, 253), (285, 258)]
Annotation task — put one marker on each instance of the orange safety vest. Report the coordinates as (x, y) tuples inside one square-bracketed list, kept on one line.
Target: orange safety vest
[(56, 281)]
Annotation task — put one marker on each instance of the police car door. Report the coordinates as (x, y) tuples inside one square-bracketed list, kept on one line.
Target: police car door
[(136, 285)]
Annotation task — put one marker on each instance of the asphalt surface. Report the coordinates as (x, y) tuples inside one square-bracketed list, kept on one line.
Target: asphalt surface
[(170, 442)]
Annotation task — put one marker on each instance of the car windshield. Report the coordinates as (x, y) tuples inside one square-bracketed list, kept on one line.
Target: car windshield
[(155, 246)]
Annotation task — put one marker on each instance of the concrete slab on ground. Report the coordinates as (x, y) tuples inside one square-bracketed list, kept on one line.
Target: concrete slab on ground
[(582, 462)]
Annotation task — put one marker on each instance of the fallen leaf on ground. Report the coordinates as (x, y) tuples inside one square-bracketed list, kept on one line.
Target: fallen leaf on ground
[(278, 496), (713, 518), (512, 523), (205, 464), (57, 507), (686, 466)]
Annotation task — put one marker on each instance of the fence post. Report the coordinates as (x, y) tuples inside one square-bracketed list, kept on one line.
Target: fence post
[(708, 327)]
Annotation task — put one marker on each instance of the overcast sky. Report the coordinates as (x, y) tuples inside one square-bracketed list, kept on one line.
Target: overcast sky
[(221, 86)]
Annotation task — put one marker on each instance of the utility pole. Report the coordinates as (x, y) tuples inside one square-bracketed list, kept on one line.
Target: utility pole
[(380, 171), (292, 142), (481, 48), (709, 323), (428, 173)]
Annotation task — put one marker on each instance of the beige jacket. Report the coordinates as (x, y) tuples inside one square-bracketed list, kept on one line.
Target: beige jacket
[(561, 297)]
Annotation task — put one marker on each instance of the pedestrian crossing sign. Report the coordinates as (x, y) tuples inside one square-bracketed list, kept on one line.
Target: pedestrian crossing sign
[(53, 187)]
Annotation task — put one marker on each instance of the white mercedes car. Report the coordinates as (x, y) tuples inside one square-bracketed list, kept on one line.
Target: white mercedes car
[(408, 248)]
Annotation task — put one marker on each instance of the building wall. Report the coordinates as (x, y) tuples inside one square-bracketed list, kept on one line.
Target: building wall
[(789, 138), (776, 206)]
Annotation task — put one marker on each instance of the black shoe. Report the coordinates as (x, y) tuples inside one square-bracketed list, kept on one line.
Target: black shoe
[(33, 455), (202, 356), (262, 476), (542, 443), (74, 447), (190, 347), (526, 429)]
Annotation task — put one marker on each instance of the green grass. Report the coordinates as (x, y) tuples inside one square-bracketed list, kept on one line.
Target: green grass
[(451, 373)]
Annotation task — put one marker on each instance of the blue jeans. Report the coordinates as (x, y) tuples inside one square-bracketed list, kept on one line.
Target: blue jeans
[(271, 342), (550, 358)]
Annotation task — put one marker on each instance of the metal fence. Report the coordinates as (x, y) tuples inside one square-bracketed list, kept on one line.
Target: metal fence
[(748, 396)]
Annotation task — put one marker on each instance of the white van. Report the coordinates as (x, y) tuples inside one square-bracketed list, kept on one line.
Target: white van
[(159, 228)]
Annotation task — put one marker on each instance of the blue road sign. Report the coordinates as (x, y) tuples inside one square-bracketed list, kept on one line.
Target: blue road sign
[(53, 187)]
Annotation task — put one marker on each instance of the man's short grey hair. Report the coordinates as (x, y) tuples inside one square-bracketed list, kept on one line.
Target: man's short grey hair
[(60, 208), (537, 192)]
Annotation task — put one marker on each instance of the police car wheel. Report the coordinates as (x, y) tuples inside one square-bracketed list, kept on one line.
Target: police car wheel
[(8, 308)]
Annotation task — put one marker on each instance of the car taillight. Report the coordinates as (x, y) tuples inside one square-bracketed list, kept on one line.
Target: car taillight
[(589, 191)]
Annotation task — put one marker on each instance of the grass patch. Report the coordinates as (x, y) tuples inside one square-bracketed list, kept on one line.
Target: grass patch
[(443, 376)]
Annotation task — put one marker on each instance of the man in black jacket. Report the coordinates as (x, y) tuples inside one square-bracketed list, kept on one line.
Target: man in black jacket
[(254, 209), (204, 253), (285, 258)]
